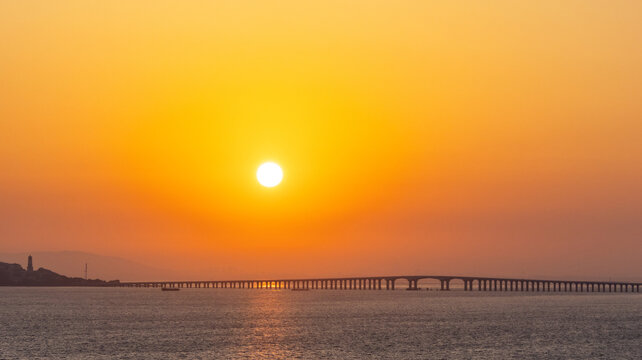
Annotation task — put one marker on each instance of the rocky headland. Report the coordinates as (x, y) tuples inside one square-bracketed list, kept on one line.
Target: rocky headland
[(16, 275)]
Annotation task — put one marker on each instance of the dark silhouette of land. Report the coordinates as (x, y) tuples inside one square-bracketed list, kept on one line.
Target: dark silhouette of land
[(16, 275), (71, 263)]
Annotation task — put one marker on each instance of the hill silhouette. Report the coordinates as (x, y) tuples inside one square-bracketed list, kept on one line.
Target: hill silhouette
[(72, 264), (16, 275)]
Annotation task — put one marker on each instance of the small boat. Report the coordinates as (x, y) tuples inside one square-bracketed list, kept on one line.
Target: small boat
[(170, 289), (300, 289)]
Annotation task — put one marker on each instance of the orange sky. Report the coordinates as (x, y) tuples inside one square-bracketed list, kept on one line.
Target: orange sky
[(450, 137)]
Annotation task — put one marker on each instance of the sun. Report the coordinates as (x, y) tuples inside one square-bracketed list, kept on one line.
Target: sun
[(269, 174)]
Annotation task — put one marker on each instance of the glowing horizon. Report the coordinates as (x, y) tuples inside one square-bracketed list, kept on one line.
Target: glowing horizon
[(494, 138)]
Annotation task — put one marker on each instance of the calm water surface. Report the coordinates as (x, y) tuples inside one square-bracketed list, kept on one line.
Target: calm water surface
[(114, 323)]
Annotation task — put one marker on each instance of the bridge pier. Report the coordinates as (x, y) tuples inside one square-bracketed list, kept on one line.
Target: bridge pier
[(390, 284), (412, 284), (445, 284)]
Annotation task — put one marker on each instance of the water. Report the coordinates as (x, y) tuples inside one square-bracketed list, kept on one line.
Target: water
[(115, 323)]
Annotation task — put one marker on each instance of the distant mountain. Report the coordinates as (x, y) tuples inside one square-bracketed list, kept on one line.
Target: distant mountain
[(15, 275), (72, 263)]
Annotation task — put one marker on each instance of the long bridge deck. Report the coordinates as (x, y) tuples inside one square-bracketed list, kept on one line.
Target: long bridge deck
[(388, 283)]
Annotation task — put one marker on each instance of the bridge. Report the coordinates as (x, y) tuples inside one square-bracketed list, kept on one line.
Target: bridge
[(388, 283)]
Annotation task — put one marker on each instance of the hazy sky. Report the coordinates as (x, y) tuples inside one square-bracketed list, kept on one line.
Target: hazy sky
[(442, 137)]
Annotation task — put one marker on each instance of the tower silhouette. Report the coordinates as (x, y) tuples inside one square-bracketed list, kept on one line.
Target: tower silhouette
[(30, 265)]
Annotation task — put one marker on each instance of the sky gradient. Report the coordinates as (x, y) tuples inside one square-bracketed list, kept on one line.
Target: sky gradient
[(457, 137)]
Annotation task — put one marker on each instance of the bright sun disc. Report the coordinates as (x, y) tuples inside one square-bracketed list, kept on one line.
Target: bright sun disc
[(269, 174)]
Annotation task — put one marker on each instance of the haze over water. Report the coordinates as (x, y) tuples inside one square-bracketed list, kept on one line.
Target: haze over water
[(493, 138), (115, 323)]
